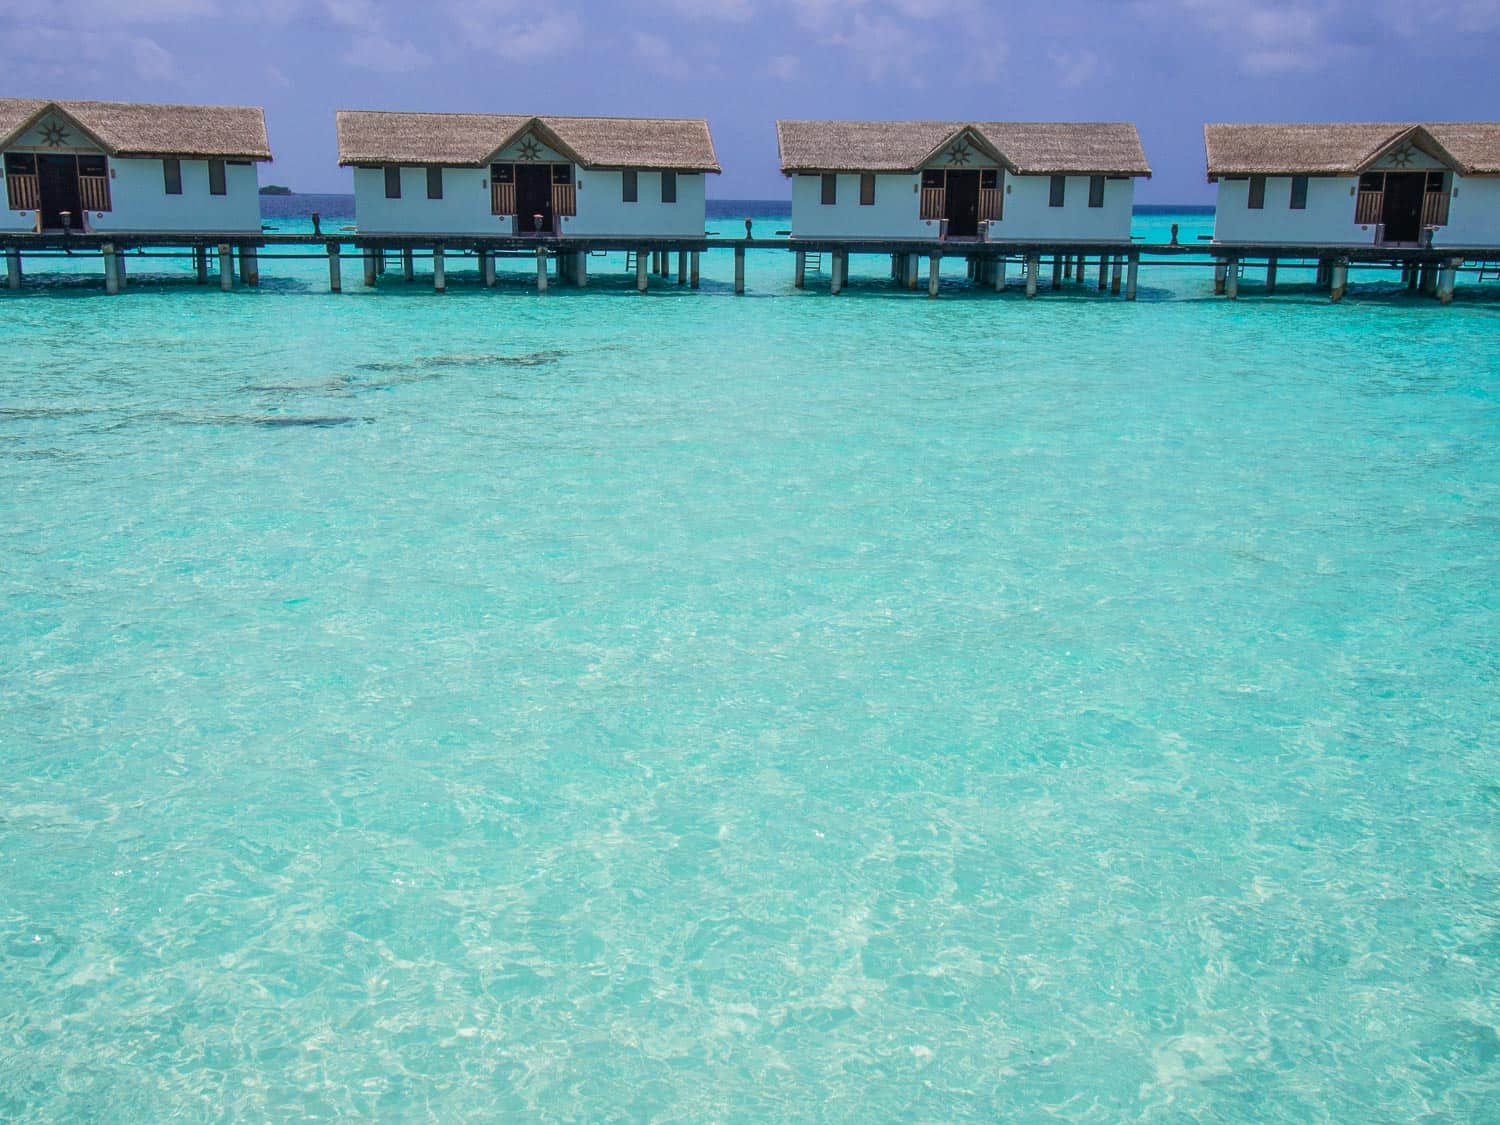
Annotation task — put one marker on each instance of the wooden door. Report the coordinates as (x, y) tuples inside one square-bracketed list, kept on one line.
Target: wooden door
[(57, 180), (963, 204)]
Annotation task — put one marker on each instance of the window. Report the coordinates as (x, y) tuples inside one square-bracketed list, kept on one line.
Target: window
[(830, 189), (1372, 181), (502, 173), (629, 186), (393, 181), (867, 189), (1257, 192), (216, 185), (434, 182), (669, 187), (562, 173), (1434, 181), (1096, 191), (171, 174), (1059, 191), (1299, 193)]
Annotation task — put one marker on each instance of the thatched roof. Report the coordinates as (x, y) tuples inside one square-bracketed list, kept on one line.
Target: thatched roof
[(1346, 148), (230, 132), (472, 139), (1025, 148)]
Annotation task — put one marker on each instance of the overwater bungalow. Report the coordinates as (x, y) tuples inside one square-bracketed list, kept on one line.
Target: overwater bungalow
[(504, 175), (129, 167), (1356, 184), (995, 181)]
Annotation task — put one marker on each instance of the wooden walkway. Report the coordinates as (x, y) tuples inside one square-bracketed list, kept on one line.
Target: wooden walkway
[(1110, 267)]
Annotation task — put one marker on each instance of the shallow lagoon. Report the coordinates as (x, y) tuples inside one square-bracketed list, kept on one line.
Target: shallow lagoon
[(699, 707)]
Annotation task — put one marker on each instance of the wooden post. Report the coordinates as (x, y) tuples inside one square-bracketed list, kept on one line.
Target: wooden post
[(111, 277), (799, 271), (13, 269), (682, 267), (934, 270), (439, 274), (408, 264), (693, 270), (335, 281), (1033, 267), (1430, 278), (1409, 276), (1447, 279), (1067, 267), (249, 266), (581, 269), (369, 266), (200, 263), (642, 261), (541, 269), (1220, 277), (1103, 271), (1339, 280), (1232, 278), (1270, 275), (120, 268), (835, 276), (1114, 274), (1131, 272), (739, 269), (999, 274), (484, 266), (226, 268), (913, 271), (1057, 271)]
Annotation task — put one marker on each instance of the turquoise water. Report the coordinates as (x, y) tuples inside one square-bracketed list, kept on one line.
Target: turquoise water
[(690, 707)]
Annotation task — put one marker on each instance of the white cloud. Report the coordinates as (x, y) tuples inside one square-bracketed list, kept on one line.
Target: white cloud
[(785, 67), (1075, 68), (657, 54), (376, 52)]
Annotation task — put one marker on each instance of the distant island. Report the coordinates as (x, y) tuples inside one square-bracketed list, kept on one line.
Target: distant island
[(275, 189)]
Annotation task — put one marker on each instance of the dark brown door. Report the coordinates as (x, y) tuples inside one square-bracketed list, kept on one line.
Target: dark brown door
[(57, 183), (533, 197), (1401, 211), (963, 204)]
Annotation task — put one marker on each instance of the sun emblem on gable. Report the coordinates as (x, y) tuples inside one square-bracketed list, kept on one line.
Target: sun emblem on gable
[(1403, 156), (529, 149), (54, 135), (959, 153)]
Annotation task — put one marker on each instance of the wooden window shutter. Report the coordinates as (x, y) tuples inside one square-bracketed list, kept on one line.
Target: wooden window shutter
[(171, 174), (1299, 193), (830, 189), (1096, 191), (434, 182), (1257, 193), (393, 181), (867, 189), (669, 187), (629, 186), (216, 185), (1057, 192)]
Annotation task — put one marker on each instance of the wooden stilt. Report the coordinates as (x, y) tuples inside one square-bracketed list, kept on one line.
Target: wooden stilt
[(799, 270), (1232, 278), (1447, 280), (642, 261), (1270, 275), (998, 276), (1033, 267), (1430, 278), (1409, 277), (111, 275), (370, 274), (1132, 272), (581, 269), (1067, 267), (934, 271), (13, 269), (693, 270), (226, 268), (1220, 277), (682, 267), (249, 266), (541, 269), (835, 275), (1057, 271), (123, 277), (335, 280), (408, 265), (739, 269), (1103, 271), (1338, 281), (913, 271), (439, 273), (1114, 274)]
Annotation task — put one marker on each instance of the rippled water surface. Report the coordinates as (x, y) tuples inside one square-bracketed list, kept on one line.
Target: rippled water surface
[(690, 707)]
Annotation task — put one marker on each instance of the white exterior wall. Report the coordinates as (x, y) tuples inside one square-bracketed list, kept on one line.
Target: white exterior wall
[(894, 214), (465, 206), (1328, 218), (898, 205), (139, 201), (1473, 214), (1028, 217), (601, 211)]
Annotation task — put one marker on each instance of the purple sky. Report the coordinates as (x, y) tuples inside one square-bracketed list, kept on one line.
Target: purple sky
[(1168, 65)]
